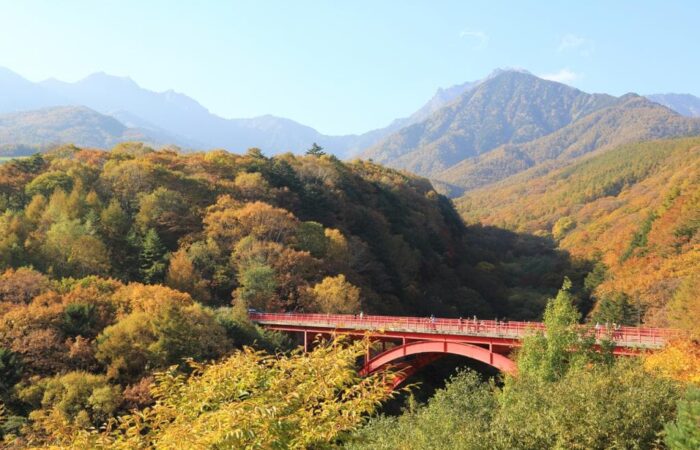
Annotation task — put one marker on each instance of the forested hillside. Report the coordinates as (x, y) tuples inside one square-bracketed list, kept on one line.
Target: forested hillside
[(686, 104), (635, 209), (45, 128), (513, 121), (631, 119), (509, 107), (286, 222)]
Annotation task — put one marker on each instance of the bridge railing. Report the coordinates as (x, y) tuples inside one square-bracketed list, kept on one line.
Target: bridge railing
[(505, 329)]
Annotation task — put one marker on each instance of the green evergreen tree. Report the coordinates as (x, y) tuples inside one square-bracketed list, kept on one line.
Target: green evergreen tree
[(595, 277), (617, 309), (152, 258), (641, 237), (10, 372), (315, 150), (79, 319)]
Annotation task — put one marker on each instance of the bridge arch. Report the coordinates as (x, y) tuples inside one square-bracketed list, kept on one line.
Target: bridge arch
[(426, 348)]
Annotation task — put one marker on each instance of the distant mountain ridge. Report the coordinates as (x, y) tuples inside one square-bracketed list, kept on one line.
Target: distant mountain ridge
[(43, 128), (630, 119), (511, 107), (19, 94), (685, 104), (513, 121), (466, 136), (187, 122), (178, 113)]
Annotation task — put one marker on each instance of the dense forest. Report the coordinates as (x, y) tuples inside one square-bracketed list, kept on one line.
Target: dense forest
[(126, 278), (634, 210), (212, 223)]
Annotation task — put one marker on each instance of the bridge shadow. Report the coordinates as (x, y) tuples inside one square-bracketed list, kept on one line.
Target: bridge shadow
[(433, 377), (515, 273)]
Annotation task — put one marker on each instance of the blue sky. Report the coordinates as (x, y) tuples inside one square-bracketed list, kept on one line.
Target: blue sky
[(350, 66)]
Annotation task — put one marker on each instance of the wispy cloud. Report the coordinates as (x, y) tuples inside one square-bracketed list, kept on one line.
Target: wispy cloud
[(572, 42), (565, 76), (480, 38)]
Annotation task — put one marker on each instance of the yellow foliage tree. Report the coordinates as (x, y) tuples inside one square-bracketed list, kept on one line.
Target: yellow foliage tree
[(149, 299), (182, 276), (680, 360), (336, 295), (227, 224), (251, 400), (337, 248), (252, 186), (684, 308)]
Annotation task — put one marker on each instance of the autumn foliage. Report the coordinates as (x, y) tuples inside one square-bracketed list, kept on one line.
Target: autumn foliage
[(635, 209), (117, 266)]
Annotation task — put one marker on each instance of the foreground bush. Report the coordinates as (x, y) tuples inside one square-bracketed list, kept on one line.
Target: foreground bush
[(249, 400), (684, 432), (598, 408)]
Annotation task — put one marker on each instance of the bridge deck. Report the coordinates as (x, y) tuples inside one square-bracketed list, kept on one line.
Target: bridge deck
[(442, 328)]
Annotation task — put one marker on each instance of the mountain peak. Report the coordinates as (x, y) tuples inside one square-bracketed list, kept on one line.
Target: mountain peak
[(508, 70), (510, 107), (103, 78), (445, 95)]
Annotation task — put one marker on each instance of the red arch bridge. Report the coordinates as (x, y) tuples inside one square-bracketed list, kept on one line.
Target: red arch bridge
[(410, 343)]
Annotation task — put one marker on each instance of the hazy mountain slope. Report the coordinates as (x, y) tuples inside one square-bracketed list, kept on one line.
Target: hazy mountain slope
[(19, 94), (188, 123), (442, 98), (631, 119), (685, 104), (69, 124), (178, 113), (510, 107), (356, 144), (181, 115), (637, 206), (182, 119)]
